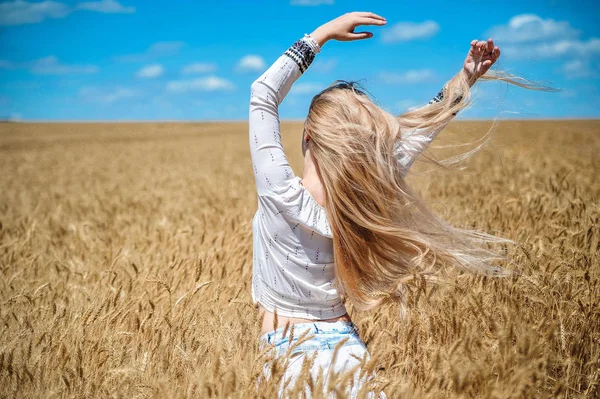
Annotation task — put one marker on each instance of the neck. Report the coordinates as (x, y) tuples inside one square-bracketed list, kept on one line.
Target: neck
[(310, 179), (310, 169)]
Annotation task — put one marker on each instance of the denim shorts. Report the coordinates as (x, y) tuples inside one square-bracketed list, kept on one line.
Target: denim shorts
[(319, 341)]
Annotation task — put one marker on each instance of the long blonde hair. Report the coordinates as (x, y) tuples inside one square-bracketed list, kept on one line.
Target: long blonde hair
[(383, 233)]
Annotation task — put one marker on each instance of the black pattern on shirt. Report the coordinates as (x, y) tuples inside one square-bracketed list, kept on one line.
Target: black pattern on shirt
[(302, 54)]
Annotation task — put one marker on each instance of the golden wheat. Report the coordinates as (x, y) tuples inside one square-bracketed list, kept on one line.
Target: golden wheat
[(125, 259)]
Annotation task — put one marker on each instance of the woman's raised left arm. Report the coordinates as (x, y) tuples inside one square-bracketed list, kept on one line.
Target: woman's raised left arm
[(481, 56)]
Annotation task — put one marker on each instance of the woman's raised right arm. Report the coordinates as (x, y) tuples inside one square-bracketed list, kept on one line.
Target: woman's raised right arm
[(481, 56), (271, 168)]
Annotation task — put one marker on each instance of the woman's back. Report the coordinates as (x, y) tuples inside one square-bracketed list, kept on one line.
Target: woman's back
[(293, 270)]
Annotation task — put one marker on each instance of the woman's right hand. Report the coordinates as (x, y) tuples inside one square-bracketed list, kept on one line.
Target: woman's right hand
[(342, 28)]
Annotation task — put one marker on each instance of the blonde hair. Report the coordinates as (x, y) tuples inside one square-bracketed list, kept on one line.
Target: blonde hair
[(383, 233)]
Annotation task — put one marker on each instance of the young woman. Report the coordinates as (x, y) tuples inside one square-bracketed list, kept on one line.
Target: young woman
[(350, 226)]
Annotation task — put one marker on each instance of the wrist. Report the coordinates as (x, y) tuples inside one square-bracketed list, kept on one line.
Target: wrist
[(314, 45), (468, 76), (320, 36)]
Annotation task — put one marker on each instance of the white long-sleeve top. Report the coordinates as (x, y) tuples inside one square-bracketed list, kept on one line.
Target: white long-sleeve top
[(293, 269)]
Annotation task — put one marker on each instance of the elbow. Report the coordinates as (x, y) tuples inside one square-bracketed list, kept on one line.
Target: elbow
[(255, 91), (257, 87), (262, 95)]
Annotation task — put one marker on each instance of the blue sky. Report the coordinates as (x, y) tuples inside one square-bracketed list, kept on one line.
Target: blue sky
[(195, 60)]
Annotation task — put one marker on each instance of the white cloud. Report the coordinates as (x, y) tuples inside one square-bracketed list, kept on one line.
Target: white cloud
[(151, 71), (311, 88), (118, 94), (405, 31), (208, 83), (158, 49), (577, 69), (198, 67), (251, 63), (52, 66), (531, 36), (311, 2), (582, 48), (107, 97), (21, 12), (410, 76), (530, 27), (106, 6)]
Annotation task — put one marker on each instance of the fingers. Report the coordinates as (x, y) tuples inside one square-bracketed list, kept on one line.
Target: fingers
[(360, 35), (482, 46), (365, 18), (476, 47), (370, 21), (490, 45), (485, 49), (482, 55), (494, 51), (369, 15)]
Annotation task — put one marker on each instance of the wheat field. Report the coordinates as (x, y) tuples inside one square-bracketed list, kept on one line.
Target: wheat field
[(125, 266)]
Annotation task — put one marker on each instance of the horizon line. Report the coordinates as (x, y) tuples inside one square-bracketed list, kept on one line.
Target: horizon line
[(282, 120)]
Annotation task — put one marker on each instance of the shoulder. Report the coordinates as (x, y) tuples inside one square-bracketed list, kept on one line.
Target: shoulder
[(297, 204)]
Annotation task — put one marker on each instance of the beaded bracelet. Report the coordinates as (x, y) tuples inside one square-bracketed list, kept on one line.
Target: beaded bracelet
[(312, 43)]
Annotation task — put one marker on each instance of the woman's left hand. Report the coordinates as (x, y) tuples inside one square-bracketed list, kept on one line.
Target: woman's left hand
[(482, 55)]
